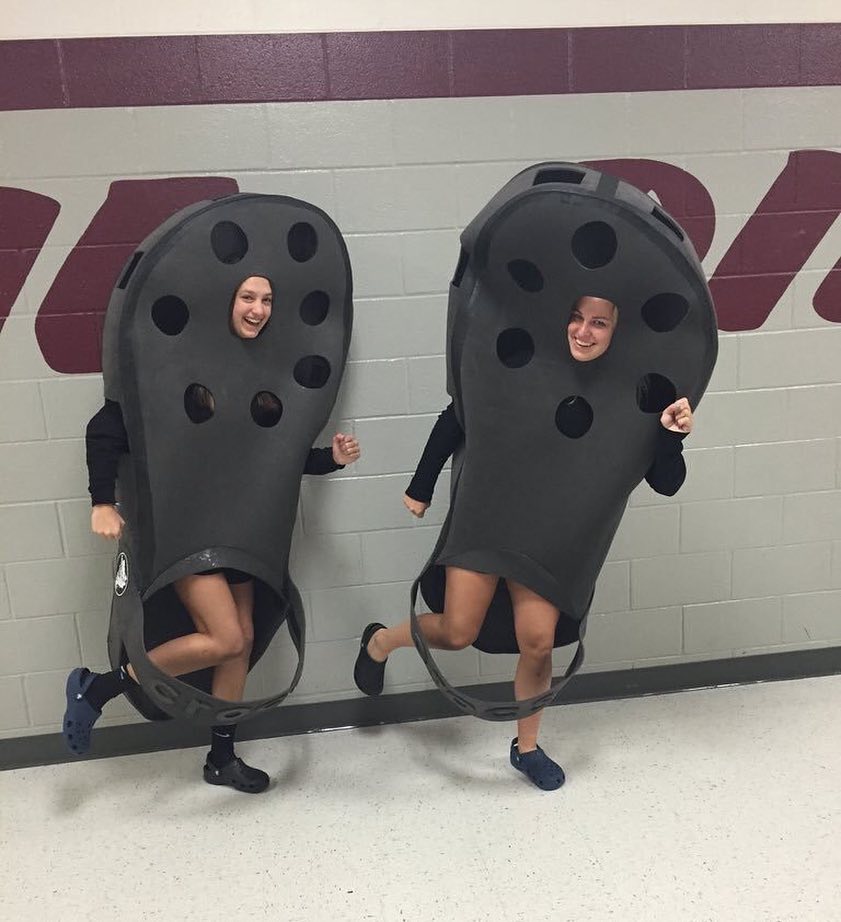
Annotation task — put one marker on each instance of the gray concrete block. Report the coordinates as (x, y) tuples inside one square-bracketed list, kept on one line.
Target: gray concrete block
[(313, 186), (759, 572), (570, 126), (429, 258), (328, 667), (428, 384), (42, 470), (21, 415), (679, 580), (329, 134), (709, 475), (812, 517), (55, 586), (646, 532), (838, 465), (613, 588), (5, 606), (69, 403), (785, 467), (94, 142), (392, 444), (397, 327), (12, 704), (399, 554), (29, 532), (740, 418), (190, 139), (780, 359), (20, 355), (79, 540), (726, 373), (323, 561), (709, 121), (359, 504), (632, 635), (727, 626), (453, 130), (377, 264), (92, 628), (341, 614), (811, 617), (730, 523), (789, 118), (374, 389), (38, 644), (396, 199), (812, 412)]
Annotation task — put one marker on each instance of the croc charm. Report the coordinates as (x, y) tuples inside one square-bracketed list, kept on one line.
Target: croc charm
[(553, 447), (215, 483)]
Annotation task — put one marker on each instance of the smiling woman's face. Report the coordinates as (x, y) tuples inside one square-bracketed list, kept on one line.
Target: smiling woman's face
[(590, 328), (252, 307)]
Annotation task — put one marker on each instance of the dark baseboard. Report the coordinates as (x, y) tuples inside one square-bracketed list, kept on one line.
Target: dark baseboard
[(49, 749)]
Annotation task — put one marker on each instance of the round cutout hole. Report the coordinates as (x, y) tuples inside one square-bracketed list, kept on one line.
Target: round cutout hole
[(170, 315)]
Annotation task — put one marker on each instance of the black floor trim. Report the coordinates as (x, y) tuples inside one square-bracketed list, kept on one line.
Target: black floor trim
[(49, 749)]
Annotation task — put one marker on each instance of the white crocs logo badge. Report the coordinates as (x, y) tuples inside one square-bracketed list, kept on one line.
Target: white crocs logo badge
[(121, 578)]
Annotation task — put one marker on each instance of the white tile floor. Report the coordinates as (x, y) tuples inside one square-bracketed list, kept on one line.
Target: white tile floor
[(714, 805)]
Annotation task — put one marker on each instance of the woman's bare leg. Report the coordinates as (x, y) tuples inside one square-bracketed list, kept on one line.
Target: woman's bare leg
[(468, 596), (535, 620), (219, 636), (229, 677)]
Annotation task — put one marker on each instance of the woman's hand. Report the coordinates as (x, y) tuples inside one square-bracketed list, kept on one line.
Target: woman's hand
[(415, 506), (345, 449), (678, 416), (106, 522)]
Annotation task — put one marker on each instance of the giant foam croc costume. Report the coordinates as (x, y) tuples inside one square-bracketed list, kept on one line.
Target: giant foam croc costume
[(553, 447), (203, 488)]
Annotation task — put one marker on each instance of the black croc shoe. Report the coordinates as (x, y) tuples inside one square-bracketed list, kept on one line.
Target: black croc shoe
[(367, 672), (237, 775)]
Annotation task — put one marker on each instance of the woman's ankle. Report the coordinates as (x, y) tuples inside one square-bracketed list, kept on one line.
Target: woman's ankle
[(375, 648)]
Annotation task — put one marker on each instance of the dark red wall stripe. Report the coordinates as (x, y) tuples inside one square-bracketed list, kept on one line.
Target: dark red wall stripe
[(180, 70)]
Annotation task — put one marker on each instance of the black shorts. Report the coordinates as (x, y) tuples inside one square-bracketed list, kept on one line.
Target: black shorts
[(234, 577)]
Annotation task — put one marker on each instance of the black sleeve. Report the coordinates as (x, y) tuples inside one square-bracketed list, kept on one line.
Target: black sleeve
[(320, 461), (444, 439), (667, 473), (105, 441)]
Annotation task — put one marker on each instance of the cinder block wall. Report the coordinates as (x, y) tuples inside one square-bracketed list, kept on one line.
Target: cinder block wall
[(745, 559)]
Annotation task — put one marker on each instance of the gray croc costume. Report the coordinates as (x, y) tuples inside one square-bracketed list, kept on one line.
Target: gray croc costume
[(553, 447), (217, 487)]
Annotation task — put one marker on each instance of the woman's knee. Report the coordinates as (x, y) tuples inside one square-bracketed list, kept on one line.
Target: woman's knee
[(457, 636), (536, 647), (231, 644)]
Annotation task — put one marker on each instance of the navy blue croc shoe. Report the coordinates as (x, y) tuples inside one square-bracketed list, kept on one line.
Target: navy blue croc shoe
[(538, 768), (80, 715)]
